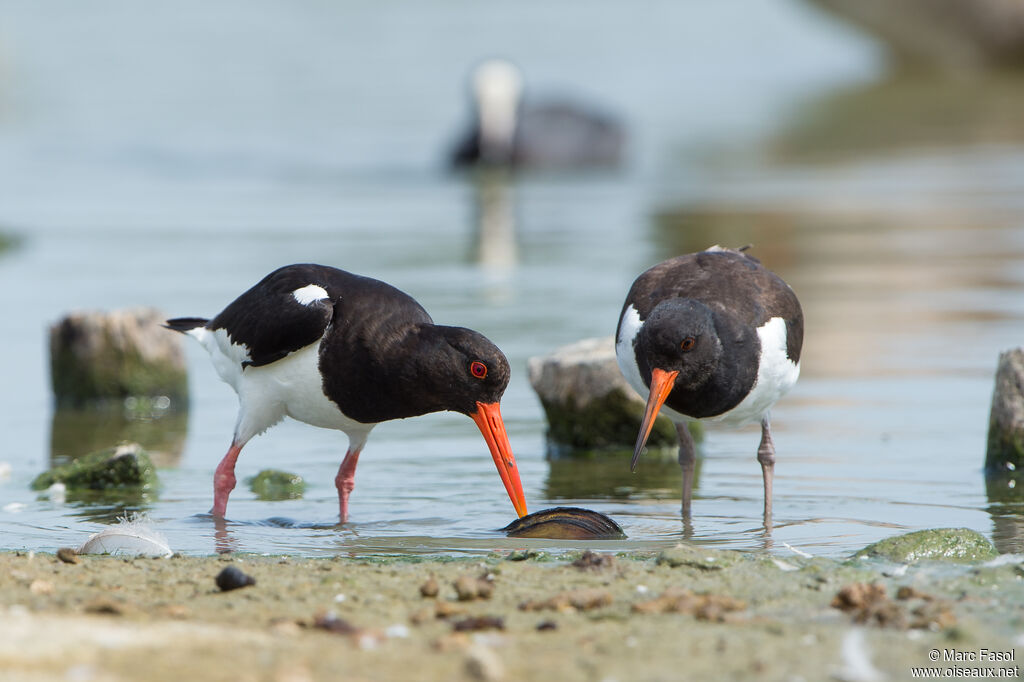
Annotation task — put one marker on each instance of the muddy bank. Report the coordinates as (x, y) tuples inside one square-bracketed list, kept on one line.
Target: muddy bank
[(684, 614)]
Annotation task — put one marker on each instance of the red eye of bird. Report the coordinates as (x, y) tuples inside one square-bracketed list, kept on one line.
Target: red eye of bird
[(688, 343), (478, 369)]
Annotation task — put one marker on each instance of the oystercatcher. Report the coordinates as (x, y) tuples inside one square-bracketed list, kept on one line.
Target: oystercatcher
[(710, 336), (346, 352), (509, 130)]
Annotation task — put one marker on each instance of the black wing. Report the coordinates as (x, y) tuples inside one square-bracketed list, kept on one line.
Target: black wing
[(270, 321)]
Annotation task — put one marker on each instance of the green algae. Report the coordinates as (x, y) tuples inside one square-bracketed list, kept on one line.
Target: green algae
[(274, 484), (941, 544), (125, 469)]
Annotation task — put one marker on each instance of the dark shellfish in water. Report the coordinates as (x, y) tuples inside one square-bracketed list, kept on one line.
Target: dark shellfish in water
[(565, 523)]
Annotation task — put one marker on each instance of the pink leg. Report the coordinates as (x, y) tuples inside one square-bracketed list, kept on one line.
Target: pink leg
[(224, 480), (345, 481)]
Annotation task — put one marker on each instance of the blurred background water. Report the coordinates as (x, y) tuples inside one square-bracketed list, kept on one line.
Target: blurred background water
[(173, 155)]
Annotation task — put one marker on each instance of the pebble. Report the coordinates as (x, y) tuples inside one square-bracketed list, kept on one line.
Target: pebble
[(231, 578), (484, 665), (430, 588)]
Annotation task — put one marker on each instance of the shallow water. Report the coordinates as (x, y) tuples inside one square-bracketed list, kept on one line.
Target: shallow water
[(159, 160)]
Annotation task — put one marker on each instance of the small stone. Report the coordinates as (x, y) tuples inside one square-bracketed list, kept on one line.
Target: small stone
[(446, 609), (41, 587), (430, 588), (232, 578), (484, 665), (476, 623), (469, 588), (547, 626), (594, 561), (104, 607), (332, 623), (68, 555)]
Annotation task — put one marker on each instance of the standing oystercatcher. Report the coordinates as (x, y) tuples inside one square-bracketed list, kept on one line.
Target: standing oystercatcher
[(345, 352), (509, 130), (711, 336)]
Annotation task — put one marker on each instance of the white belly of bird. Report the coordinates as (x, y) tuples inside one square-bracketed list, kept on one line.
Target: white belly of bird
[(776, 373), (292, 387)]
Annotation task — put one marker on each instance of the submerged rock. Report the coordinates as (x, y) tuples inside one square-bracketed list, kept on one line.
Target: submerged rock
[(588, 403), (565, 523), (98, 359), (274, 484), (1005, 451), (944, 544), (123, 469)]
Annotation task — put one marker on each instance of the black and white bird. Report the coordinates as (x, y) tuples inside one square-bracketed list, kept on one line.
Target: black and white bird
[(346, 352), (710, 336), (509, 130)]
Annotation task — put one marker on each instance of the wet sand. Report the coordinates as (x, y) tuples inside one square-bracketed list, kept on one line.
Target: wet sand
[(746, 616)]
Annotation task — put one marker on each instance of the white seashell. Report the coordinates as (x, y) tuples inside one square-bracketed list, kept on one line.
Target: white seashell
[(132, 537)]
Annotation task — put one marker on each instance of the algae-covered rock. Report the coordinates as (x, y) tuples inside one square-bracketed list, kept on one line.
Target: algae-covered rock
[(273, 484), (1005, 451), (697, 557), (126, 468), (101, 358), (944, 544), (588, 403)]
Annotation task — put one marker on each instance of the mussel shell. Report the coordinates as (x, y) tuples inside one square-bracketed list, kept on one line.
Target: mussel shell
[(565, 523)]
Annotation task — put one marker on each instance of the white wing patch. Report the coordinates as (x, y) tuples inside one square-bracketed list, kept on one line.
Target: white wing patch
[(309, 294)]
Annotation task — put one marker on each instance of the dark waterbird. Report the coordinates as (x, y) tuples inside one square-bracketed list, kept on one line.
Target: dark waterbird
[(711, 336), (346, 352), (511, 130)]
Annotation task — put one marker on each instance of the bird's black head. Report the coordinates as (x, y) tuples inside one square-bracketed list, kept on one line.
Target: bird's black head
[(679, 336), (467, 370)]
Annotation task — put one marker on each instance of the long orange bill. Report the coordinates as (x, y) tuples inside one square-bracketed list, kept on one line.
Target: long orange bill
[(661, 385), (488, 420)]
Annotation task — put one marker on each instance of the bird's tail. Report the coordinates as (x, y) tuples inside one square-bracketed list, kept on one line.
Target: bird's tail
[(185, 324)]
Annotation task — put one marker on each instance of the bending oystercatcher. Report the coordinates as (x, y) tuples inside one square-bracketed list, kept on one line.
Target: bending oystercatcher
[(710, 336), (509, 130), (346, 352)]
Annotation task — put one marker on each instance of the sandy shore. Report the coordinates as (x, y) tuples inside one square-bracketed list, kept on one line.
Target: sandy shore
[(688, 613)]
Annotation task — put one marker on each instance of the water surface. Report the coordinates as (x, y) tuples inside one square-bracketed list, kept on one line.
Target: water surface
[(172, 160)]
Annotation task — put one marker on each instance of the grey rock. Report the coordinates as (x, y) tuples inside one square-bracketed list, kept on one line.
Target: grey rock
[(588, 403), (103, 358), (1005, 451)]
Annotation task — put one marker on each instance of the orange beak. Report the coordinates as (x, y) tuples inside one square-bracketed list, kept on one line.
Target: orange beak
[(488, 420), (661, 385)]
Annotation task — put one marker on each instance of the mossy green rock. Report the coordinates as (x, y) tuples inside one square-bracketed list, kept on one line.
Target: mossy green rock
[(126, 468), (697, 557), (273, 484), (943, 544)]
